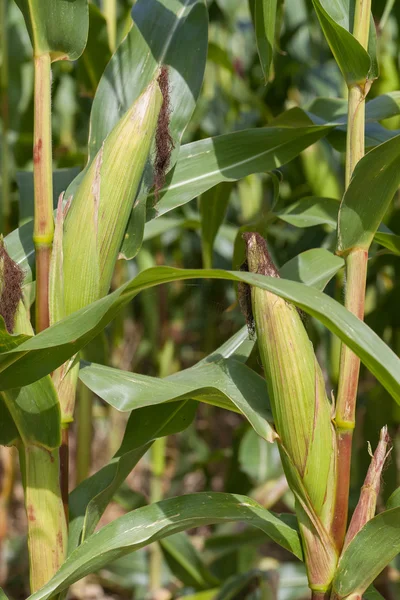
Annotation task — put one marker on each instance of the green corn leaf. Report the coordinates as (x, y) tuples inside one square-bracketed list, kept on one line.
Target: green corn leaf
[(222, 372), (32, 358), (186, 562), (383, 107), (388, 239), (334, 110), (314, 267), (232, 156), (356, 64), (225, 383), (394, 500), (9, 434), (94, 59), (213, 206), (221, 544), (366, 200), (239, 347), (35, 411), (312, 211), (201, 165), (239, 586), (151, 523), (370, 551), (56, 27), (89, 500), (372, 594), (264, 24)]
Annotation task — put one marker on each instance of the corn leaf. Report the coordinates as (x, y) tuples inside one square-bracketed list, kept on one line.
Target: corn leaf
[(35, 411), (356, 64), (32, 358), (366, 200), (314, 267), (238, 586), (213, 206), (311, 271), (56, 27), (368, 554), (225, 383), (9, 434), (372, 594), (334, 110), (151, 523), (186, 563), (89, 500), (312, 211), (229, 157), (264, 24), (201, 165), (394, 500), (94, 59)]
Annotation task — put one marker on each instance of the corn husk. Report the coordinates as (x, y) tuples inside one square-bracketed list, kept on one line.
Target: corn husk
[(97, 218), (302, 415)]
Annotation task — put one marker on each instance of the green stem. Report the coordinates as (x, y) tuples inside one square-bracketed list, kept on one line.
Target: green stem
[(5, 161), (43, 187), (355, 145), (156, 494), (47, 527), (356, 275), (110, 13), (84, 440)]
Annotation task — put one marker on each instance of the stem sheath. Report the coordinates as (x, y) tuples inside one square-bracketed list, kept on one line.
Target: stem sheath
[(47, 527)]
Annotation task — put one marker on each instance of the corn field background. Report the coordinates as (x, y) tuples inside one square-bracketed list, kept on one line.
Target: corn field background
[(138, 311)]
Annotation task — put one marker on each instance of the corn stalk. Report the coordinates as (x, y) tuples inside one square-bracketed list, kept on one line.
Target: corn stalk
[(356, 276)]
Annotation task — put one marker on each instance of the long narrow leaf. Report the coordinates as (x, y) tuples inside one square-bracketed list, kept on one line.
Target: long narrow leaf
[(151, 523), (89, 500), (37, 356), (368, 554)]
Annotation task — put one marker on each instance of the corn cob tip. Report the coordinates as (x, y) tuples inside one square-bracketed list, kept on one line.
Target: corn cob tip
[(258, 258), (258, 261)]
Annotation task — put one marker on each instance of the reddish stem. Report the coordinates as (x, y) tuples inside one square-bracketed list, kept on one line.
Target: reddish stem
[(356, 272)]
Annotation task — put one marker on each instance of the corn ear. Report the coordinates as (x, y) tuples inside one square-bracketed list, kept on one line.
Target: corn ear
[(96, 221), (302, 414)]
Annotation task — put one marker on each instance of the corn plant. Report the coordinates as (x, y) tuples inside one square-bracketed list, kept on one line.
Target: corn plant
[(70, 255)]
